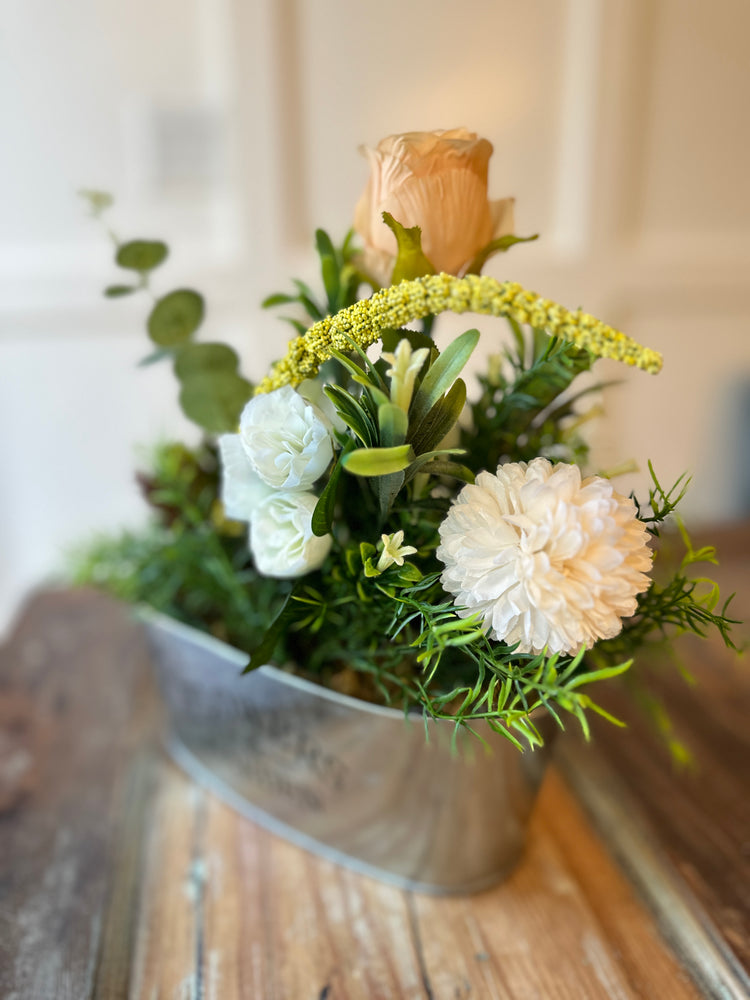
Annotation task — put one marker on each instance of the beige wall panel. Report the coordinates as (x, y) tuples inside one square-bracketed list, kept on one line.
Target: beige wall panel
[(696, 151)]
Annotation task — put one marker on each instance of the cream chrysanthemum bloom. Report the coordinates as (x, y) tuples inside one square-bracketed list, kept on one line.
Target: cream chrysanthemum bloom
[(549, 560)]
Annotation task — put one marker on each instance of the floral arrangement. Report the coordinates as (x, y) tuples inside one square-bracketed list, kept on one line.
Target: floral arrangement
[(363, 517)]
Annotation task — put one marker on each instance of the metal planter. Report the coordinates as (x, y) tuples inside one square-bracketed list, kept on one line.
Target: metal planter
[(356, 783)]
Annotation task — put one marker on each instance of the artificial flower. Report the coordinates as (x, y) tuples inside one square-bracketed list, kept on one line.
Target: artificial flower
[(242, 489), (394, 551), (405, 365), (437, 181), (548, 560), (282, 541), (287, 440)]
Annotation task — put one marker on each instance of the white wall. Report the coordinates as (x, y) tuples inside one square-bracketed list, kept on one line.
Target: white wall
[(230, 127)]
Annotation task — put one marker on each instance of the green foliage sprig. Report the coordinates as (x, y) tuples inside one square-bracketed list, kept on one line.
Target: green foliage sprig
[(212, 390)]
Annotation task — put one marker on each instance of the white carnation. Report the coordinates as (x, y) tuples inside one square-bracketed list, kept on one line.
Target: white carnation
[(281, 536), (287, 441), (241, 488), (549, 560)]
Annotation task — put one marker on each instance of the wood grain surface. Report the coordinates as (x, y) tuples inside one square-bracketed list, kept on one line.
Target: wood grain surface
[(119, 877)]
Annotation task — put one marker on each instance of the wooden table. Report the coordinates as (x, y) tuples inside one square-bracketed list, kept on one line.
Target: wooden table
[(121, 878)]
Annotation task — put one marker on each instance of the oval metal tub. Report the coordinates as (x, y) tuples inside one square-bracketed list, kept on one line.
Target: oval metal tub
[(360, 784)]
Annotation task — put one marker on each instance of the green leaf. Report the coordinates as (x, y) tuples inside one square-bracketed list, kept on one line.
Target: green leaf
[(391, 337), (175, 317), (142, 255), (440, 419), (352, 413), (386, 489), (204, 359), (305, 297), (263, 652), (378, 461), (499, 245), (393, 424), (322, 518), (329, 270), (215, 400), (421, 461), (442, 374), (323, 244), (451, 469), (117, 291), (277, 299), (411, 261), (155, 356), (300, 327), (99, 201)]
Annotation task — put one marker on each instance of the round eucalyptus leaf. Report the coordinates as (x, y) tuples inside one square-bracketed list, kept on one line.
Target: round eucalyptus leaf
[(204, 359), (215, 401), (117, 291), (175, 317), (142, 255)]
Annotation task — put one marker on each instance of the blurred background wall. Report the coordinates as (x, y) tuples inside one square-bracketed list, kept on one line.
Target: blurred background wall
[(229, 128)]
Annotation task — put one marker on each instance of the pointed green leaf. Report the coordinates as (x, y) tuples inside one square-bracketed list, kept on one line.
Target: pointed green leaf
[(300, 327), (442, 374), (329, 270), (155, 356), (324, 244), (117, 291), (378, 461), (393, 424), (367, 366), (500, 245), (440, 419), (391, 338), (175, 317), (411, 261), (422, 460), (277, 299), (263, 652), (322, 518), (386, 489), (451, 469), (307, 299), (352, 413), (141, 255)]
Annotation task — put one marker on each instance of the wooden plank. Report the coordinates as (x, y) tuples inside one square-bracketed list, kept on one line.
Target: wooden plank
[(682, 834), (269, 920), (73, 682), (566, 925)]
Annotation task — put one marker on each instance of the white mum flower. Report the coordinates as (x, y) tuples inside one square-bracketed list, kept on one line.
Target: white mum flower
[(281, 537), (286, 439), (549, 560)]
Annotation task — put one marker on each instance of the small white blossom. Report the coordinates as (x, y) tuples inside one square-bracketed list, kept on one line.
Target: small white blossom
[(286, 439), (405, 364), (282, 541), (549, 560), (393, 551), (241, 488)]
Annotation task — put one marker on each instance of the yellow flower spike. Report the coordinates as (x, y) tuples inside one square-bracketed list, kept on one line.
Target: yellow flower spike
[(399, 304)]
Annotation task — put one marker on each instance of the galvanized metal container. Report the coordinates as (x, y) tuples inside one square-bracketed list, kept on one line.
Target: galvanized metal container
[(357, 783)]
